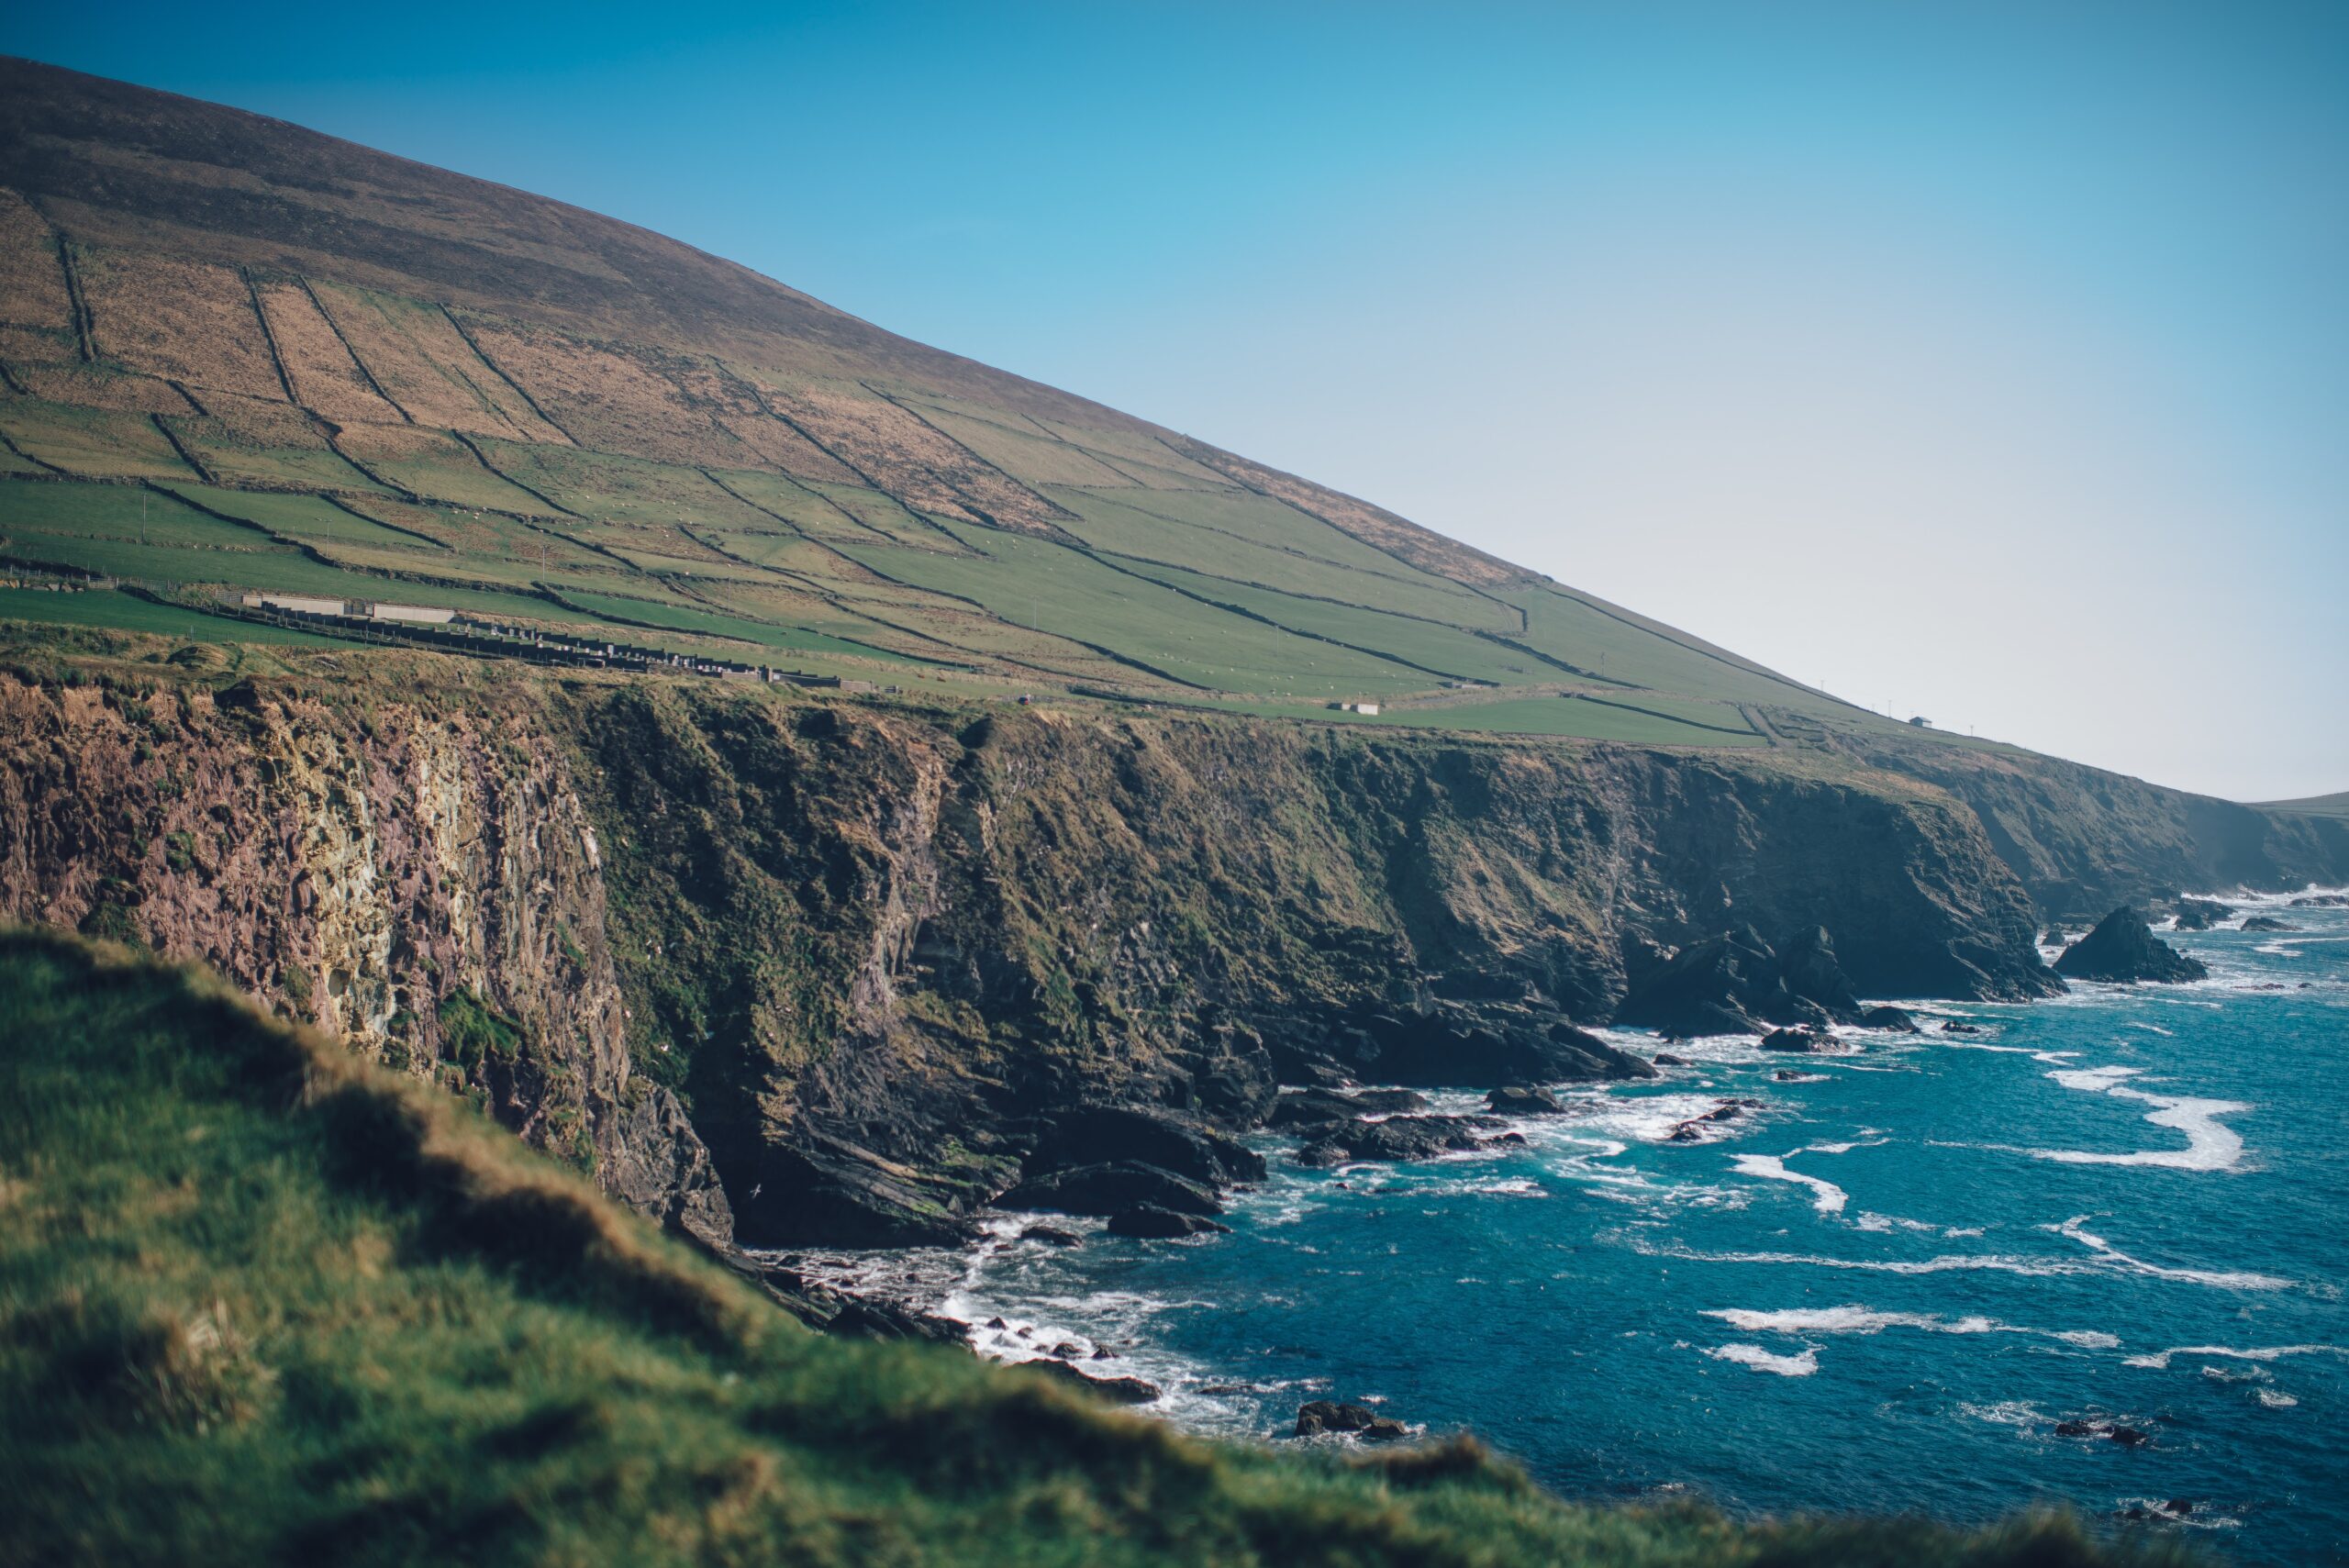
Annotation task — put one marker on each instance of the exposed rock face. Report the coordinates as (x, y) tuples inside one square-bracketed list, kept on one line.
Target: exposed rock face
[(2267, 923), (1397, 1138), (1091, 1134), (2199, 914), (1147, 1221), (1452, 1045), (1110, 1188), (2123, 948), (1519, 1099), (1737, 983), (2083, 839), (427, 884), (1312, 1107), (893, 965)]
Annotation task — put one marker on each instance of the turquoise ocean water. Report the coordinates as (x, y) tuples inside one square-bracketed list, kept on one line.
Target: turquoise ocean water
[(1881, 1291)]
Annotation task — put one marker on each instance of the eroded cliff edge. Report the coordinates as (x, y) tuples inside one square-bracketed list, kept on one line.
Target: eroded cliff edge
[(835, 961)]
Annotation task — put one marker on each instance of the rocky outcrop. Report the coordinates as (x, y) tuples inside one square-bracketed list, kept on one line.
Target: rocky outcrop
[(2198, 913), (2081, 838), (1321, 1417), (423, 880), (2267, 923), (1398, 1138), (1524, 1099), (2123, 948), (1737, 983), (1149, 1222), (1313, 1108), (853, 973), (1115, 1390), (1112, 1187)]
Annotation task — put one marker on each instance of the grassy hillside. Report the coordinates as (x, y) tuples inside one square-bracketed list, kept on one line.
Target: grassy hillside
[(2335, 806), (238, 356), (259, 1302)]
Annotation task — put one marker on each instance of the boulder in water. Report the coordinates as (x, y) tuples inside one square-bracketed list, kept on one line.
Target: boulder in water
[(2267, 923), (1322, 1416), (1117, 1390), (1520, 1099), (1665, 1059), (2199, 914), (2123, 948), (1896, 1020), (1149, 1222), (1795, 1040)]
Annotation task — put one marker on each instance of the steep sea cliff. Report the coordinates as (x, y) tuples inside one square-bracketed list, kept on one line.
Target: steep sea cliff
[(811, 972)]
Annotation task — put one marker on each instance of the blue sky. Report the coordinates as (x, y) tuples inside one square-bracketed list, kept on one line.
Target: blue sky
[(1979, 360)]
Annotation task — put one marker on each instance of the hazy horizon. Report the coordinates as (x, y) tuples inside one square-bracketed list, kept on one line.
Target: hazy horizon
[(1982, 364)]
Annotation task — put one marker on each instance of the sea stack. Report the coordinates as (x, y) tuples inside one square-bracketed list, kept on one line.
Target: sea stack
[(2123, 948)]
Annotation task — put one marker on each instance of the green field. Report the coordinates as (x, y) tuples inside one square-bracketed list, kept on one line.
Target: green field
[(91, 443), (310, 517), (110, 608), (1576, 717), (679, 618)]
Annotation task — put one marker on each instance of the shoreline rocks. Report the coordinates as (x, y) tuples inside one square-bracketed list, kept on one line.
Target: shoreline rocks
[(1117, 1390), (2123, 949), (1524, 1099), (1320, 1417), (2199, 914), (1396, 1138), (1737, 983), (1149, 1222), (1105, 1189)]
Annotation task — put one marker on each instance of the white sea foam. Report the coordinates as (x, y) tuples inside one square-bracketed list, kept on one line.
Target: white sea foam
[(1968, 1262), (2074, 1228), (2275, 1399), (2210, 1145), (1827, 1198), (2093, 1080), (1866, 1321), (2107, 1261), (1760, 1360), (2160, 1360), (2006, 1413)]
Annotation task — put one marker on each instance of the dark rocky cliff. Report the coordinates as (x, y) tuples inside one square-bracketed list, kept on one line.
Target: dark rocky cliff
[(2082, 840), (870, 944), (859, 952)]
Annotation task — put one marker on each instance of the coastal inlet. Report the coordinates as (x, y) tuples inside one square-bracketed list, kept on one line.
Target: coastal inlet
[(2084, 1251)]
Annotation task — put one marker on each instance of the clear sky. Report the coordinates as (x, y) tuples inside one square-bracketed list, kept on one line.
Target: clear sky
[(1985, 360)]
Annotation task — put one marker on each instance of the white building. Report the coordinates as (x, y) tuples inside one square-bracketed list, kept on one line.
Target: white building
[(424, 615)]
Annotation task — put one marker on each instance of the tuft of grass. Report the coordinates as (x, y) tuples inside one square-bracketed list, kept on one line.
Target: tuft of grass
[(261, 1301), (470, 1033)]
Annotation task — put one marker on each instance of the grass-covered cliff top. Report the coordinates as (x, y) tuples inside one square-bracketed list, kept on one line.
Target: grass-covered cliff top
[(260, 1303)]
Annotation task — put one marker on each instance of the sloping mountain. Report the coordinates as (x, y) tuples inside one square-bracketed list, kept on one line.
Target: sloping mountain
[(2313, 806), (241, 355)]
